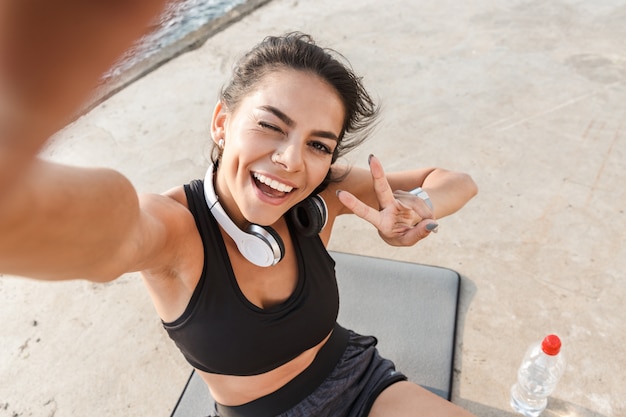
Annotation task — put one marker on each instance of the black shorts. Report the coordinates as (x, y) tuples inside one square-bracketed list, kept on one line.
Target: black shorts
[(344, 380)]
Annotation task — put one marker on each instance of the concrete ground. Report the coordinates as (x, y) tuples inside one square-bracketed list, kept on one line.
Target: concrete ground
[(527, 96)]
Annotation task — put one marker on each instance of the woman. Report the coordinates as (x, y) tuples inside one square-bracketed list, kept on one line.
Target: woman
[(236, 264)]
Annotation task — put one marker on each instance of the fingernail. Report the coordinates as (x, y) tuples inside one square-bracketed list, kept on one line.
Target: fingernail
[(337, 192), (432, 227), (369, 159)]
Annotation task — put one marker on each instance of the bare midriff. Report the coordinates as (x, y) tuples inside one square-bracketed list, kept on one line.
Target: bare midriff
[(237, 390)]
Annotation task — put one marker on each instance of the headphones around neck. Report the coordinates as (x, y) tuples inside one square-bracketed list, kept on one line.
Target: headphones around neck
[(262, 245)]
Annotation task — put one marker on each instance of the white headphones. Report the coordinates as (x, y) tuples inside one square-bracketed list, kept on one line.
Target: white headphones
[(261, 245)]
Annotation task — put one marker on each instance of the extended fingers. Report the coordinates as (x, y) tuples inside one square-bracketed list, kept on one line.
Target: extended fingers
[(359, 208), (383, 190)]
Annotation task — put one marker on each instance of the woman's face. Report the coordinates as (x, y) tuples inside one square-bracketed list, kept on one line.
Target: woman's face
[(278, 145)]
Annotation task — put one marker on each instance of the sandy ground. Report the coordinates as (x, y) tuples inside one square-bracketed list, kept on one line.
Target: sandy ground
[(527, 96)]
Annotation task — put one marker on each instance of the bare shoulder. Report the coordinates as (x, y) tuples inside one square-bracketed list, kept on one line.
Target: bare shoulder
[(174, 239), (173, 199), (177, 194)]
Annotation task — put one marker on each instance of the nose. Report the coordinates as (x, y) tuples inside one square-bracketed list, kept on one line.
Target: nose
[(290, 156)]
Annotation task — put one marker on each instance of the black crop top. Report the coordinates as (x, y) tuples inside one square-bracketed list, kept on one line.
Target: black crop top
[(222, 332)]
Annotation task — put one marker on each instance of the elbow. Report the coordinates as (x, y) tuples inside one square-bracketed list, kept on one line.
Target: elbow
[(462, 184), (469, 185), (466, 187)]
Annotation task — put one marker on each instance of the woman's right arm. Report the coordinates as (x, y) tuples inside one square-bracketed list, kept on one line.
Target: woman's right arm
[(62, 222), (52, 56)]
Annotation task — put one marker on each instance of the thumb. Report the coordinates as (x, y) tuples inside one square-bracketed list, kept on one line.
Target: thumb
[(425, 228)]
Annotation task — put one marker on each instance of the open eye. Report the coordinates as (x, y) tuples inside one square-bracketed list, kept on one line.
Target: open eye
[(321, 147)]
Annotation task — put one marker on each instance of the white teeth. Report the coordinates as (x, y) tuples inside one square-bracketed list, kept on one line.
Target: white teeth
[(273, 183)]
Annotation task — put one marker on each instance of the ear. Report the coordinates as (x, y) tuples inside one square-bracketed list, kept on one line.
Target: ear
[(218, 122)]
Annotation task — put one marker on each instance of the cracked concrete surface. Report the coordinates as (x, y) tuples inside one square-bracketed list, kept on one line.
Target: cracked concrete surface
[(526, 96)]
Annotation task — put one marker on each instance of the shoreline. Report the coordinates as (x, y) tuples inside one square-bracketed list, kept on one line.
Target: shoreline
[(191, 41)]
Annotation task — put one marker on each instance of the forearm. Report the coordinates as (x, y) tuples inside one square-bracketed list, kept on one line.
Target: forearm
[(401, 218), (61, 222), (448, 190)]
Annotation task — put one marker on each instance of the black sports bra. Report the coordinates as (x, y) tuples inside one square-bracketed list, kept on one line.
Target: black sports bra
[(222, 332)]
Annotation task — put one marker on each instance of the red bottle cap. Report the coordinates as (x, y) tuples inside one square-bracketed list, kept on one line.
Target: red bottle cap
[(551, 345)]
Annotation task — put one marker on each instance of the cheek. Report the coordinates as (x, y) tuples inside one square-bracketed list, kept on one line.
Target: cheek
[(326, 175), (320, 170)]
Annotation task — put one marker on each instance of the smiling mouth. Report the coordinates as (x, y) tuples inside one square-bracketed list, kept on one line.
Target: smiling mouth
[(271, 187)]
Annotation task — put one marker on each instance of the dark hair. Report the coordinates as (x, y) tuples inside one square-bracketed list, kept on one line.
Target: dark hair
[(298, 51)]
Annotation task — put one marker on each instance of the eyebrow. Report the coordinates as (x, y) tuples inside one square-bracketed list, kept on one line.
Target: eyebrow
[(289, 122)]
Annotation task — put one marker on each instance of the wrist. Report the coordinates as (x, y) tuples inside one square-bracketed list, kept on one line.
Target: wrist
[(419, 192)]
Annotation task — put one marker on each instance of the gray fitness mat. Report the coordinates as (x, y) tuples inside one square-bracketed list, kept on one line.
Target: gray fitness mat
[(411, 309)]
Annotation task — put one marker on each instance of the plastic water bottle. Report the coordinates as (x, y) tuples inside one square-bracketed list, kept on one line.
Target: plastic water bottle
[(537, 376)]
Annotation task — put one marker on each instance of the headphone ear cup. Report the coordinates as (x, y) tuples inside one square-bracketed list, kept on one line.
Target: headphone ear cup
[(265, 246), (309, 216)]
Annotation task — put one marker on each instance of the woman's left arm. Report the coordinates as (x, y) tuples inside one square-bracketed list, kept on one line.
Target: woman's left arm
[(385, 201), (448, 191)]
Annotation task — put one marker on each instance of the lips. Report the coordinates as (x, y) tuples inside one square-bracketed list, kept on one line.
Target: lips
[(271, 186)]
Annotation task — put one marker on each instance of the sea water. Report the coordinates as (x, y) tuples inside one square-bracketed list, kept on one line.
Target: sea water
[(179, 18)]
